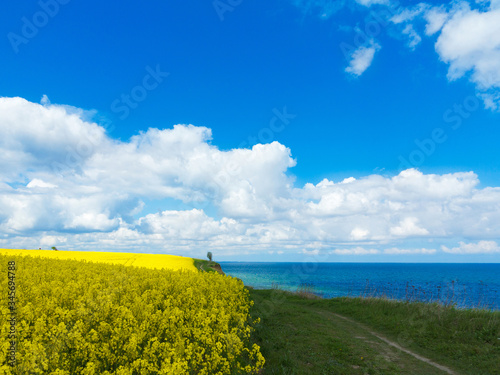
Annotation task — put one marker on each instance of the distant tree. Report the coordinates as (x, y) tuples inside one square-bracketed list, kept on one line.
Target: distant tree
[(54, 248), (209, 256)]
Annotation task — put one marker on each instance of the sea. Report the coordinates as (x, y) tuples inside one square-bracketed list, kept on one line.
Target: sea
[(471, 285)]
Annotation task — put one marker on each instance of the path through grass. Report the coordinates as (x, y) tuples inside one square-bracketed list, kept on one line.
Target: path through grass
[(311, 336)]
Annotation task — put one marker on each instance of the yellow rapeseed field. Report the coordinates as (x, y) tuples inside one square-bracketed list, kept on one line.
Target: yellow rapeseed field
[(154, 261), (72, 317)]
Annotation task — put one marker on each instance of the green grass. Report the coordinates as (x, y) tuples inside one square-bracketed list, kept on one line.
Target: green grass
[(301, 335), (205, 265), (468, 340)]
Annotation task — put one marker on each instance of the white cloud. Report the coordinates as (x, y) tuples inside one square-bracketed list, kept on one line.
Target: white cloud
[(404, 18), (45, 100), (468, 37), (495, 4), (119, 195), (188, 225), (415, 39), (408, 227), (435, 18), (408, 14), (49, 241), (359, 234), (491, 99), (354, 251), (397, 251), (36, 183), (43, 137), (361, 59), (470, 41), (481, 247)]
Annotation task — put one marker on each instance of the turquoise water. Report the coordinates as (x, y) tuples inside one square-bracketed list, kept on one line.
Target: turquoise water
[(465, 285)]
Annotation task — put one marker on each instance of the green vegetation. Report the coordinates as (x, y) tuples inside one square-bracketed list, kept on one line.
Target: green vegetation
[(78, 317), (468, 340), (207, 266), (300, 334)]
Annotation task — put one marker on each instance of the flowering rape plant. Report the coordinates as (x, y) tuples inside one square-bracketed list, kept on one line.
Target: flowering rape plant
[(76, 317)]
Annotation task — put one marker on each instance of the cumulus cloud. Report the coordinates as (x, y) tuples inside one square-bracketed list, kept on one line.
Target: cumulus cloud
[(38, 137), (408, 227), (361, 59), (80, 188), (470, 43), (481, 247)]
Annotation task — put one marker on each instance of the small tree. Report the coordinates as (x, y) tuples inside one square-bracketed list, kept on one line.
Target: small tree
[(209, 256), (54, 248)]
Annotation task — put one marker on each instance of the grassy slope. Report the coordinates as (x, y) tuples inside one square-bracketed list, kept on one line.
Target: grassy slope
[(305, 336), (154, 261), (207, 266)]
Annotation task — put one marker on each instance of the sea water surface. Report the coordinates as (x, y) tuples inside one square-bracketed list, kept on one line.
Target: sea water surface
[(464, 285)]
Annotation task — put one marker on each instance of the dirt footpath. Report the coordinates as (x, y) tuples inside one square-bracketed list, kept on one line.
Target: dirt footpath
[(408, 361)]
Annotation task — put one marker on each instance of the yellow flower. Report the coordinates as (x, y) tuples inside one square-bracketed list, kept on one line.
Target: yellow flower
[(137, 320)]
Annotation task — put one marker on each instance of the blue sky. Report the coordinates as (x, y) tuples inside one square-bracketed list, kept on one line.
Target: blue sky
[(363, 89)]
